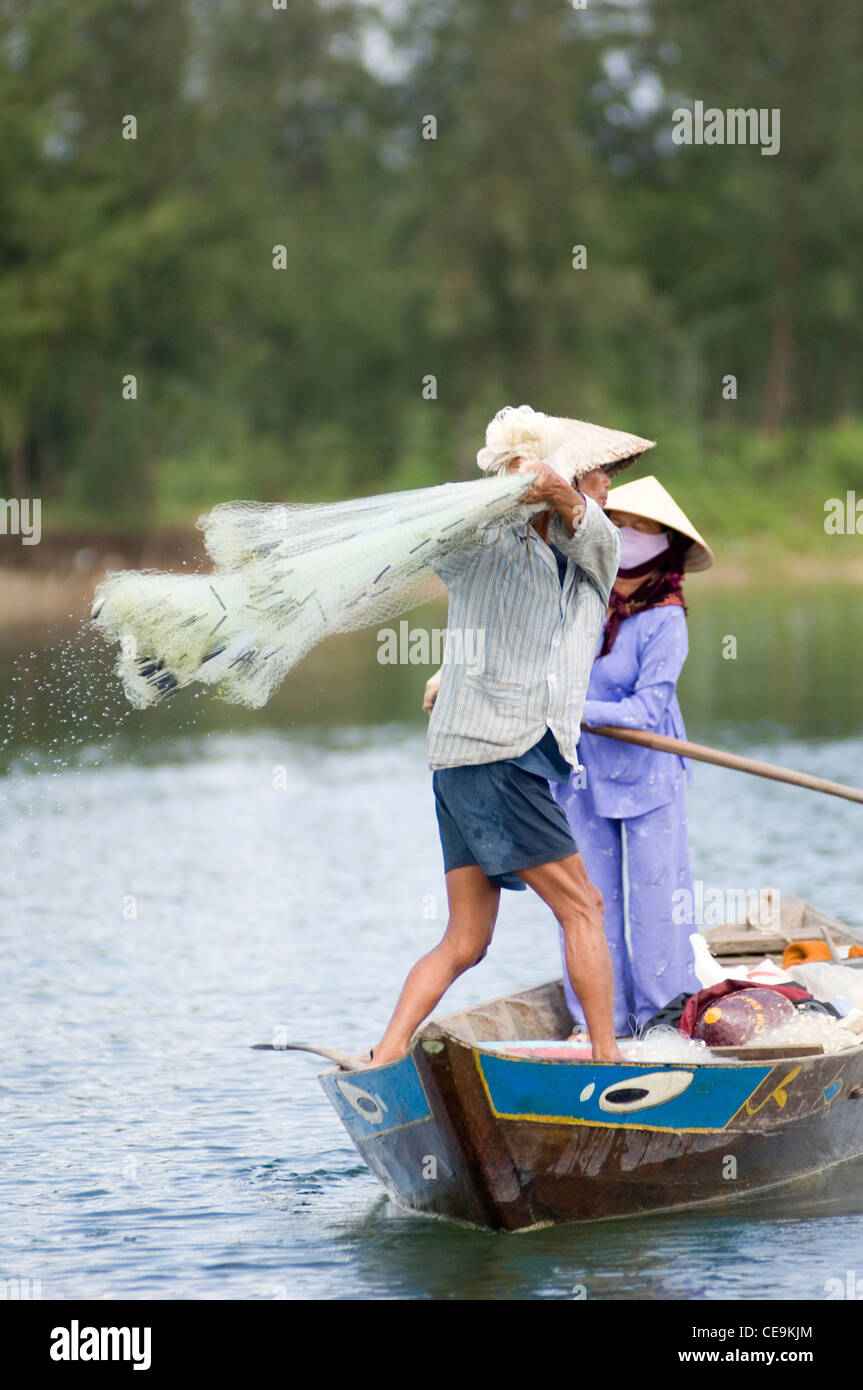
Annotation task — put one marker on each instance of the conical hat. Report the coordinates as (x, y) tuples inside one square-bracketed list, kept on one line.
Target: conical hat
[(648, 498), (571, 447), (587, 446)]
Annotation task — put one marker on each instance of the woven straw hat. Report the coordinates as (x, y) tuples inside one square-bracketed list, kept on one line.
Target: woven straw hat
[(571, 447), (648, 498)]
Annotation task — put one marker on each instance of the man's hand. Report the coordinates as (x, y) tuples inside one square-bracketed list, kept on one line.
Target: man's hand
[(551, 488), (431, 692)]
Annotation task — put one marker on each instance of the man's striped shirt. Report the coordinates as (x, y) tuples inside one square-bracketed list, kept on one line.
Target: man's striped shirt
[(537, 640)]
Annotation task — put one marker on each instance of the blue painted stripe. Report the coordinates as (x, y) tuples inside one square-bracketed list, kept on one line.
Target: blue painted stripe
[(570, 1092)]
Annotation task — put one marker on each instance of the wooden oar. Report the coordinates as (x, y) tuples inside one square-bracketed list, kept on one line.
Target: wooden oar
[(346, 1063), (700, 753)]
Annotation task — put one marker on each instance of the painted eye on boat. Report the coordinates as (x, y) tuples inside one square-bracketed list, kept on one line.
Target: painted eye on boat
[(365, 1104), (644, 1092)]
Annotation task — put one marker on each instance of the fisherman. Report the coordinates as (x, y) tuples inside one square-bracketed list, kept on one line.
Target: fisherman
[(539, 590), (628, 812)]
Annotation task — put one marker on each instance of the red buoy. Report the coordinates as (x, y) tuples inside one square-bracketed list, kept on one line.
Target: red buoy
[(742, 1017)]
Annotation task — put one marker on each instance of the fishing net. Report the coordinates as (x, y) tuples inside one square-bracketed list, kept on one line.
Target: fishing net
[(284, 578)]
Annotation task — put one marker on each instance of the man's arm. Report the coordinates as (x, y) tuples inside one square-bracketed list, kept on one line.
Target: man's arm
[(579, 528), (549, 487), (594, 546)]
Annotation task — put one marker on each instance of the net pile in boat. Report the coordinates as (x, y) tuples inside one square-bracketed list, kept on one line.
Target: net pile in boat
[(808, 1028), (284, 578)]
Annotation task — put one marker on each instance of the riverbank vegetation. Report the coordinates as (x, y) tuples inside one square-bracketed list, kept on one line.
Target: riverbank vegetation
[(305, 252)]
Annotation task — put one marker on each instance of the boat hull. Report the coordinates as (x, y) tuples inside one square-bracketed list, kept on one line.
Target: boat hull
[(511, 1142)]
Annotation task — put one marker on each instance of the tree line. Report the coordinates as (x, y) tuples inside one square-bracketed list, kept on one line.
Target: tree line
[(306, 250)]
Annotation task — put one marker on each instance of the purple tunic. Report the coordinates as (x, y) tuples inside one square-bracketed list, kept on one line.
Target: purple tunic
[(628, 817), (634, 687)]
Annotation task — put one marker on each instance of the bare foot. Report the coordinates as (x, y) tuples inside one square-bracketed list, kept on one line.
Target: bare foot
[(607, 1054), (381, 1057)]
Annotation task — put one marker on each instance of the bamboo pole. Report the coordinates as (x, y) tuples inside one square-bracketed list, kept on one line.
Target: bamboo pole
[(700, 753)]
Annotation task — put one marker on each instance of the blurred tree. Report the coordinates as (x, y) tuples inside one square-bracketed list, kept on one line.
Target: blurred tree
[(407, 258), (760, 252), (493, 209), (94, 236)]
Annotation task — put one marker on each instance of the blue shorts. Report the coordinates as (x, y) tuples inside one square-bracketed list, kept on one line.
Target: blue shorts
[(501, 818)]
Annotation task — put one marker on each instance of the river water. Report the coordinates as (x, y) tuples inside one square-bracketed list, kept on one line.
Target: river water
[(175, 885)]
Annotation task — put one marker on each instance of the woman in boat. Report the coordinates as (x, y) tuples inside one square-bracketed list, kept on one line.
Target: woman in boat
[(627, 810)]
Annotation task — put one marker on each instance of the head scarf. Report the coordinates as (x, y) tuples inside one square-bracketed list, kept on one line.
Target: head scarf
[(662, 579)]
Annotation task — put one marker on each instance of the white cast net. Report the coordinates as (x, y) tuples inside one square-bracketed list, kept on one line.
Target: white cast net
[(284, 578)]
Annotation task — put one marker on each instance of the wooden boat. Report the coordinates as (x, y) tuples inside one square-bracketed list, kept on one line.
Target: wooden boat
[(472, 1127)]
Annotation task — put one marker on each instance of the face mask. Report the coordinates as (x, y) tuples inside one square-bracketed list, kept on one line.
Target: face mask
[(637, 547)]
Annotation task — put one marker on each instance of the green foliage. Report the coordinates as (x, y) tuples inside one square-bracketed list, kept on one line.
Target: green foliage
[(409, 257), (743, 485)]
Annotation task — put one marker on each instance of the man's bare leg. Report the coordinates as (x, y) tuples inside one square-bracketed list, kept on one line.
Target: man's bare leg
[(577, 905), (473, 905)]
